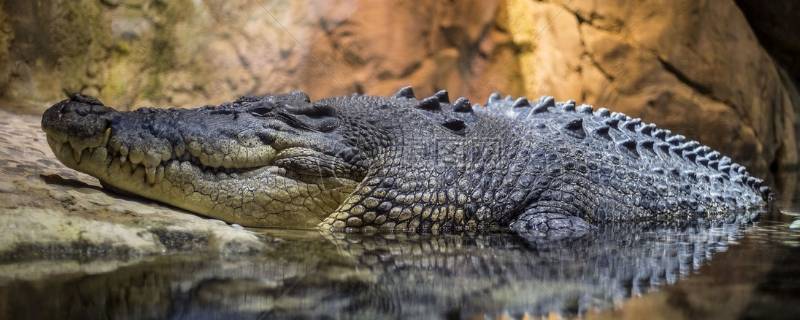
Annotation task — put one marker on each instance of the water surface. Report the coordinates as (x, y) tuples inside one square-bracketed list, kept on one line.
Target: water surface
[(724, 271)]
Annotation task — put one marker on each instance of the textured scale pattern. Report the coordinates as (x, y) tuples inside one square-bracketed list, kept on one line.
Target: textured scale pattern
[(603, 268), (399, 163), (685, 174), (538, 166)]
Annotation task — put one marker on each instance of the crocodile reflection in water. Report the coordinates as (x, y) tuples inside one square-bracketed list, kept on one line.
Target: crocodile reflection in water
[(390, 275)]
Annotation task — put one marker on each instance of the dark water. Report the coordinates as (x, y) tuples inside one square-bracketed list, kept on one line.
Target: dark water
[(702, 272)]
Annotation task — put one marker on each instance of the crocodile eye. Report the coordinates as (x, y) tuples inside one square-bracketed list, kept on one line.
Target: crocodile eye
[(313, 111), (260, 108), (259, 112), (317, 117)]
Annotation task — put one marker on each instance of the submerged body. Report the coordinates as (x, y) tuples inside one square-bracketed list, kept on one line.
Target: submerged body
[(398, 163)]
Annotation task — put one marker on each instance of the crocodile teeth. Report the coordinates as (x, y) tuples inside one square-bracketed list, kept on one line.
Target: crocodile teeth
[(57, 146), (76, 154), (152, 159), (106, 136), (150, 173), (159, 174), (100, 155), (136, 156)]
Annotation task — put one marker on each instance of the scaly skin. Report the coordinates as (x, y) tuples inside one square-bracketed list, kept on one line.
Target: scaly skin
[(363, 163)]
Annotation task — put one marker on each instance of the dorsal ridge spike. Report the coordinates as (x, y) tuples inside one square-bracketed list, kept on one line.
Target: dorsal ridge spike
[(660, 134), (546, 102), (575, 128), (677, 150), (631, 125), (493, 98), (522, 102), (647, 144), (612, 122), (663, 146), (405, 92), (603, 112), (602, 132), (429, 103), (691, 145), (442, 96), (647, 129), (569, 105), (538, 109), (457, 126), (543, 103), (574, 124), (766, 193), (629, 145), (585, 108), (676, 140), (462, 104), (742, 170), (691, 156)]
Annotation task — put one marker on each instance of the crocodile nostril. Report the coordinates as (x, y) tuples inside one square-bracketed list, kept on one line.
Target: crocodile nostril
[(82, 111), (85, 99), (99, 109)]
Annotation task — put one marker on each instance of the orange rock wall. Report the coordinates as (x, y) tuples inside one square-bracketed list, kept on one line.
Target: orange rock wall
[(693, 66)]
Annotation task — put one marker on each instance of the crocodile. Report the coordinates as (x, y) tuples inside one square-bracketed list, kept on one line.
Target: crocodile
[(399, 163)]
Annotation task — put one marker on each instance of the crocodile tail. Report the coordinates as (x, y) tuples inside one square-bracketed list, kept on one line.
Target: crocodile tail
[(641, 137)]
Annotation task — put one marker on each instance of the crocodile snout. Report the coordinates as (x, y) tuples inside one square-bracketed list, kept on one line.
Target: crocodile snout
[(76, 124), (79, 117)]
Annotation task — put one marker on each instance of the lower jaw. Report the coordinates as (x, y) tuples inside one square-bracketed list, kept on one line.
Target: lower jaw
[(260, 197)]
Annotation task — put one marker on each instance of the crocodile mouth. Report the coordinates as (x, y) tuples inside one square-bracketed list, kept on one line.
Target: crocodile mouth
[(84, 153), (253, 190)]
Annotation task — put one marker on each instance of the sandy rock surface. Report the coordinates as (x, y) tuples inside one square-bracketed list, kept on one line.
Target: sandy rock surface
[(48, 211)]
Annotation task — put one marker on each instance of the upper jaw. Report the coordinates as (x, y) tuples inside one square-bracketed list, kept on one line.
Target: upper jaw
[(94, 154), (205, 163), (81, 127)]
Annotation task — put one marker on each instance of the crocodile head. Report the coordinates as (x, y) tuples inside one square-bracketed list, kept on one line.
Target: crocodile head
[(260, 161)]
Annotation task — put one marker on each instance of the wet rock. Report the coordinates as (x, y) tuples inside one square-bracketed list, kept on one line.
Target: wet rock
[(48, 211)]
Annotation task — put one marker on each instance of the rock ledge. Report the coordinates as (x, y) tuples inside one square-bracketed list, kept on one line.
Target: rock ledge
[(48, 211)]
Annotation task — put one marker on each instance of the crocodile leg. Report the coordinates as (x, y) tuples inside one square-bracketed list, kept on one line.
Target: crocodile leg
[(544, 220)]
